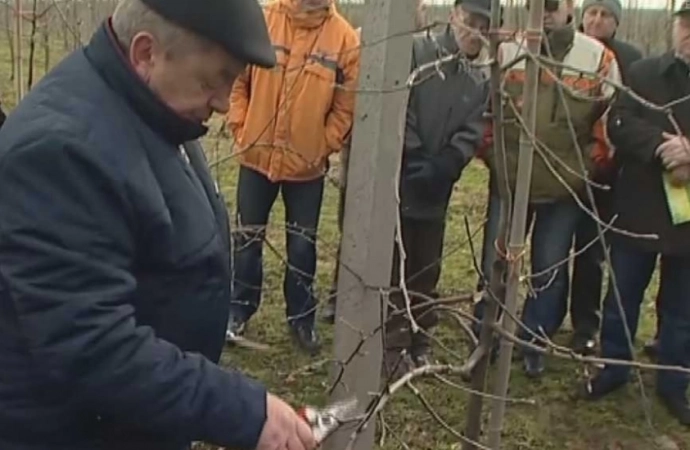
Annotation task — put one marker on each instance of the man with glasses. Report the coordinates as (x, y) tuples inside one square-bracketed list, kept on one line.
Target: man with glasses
[(567, 98), (444, 128)]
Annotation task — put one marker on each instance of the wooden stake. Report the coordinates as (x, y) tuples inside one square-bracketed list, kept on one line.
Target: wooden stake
[(518, 224), (371, 207)]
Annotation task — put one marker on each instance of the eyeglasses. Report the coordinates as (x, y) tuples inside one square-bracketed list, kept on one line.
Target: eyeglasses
[(549, 5)]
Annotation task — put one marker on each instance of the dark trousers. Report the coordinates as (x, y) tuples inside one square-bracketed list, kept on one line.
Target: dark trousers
[(423, 243), (256, 195), (547, 303), (588, 272), (493, 216), (633, 270), (341, 216), (489, 252)]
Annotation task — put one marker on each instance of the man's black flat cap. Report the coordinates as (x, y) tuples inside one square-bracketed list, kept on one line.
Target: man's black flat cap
[(236, 25)]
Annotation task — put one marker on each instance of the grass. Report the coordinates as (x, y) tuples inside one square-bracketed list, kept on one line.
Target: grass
[(556, 422)]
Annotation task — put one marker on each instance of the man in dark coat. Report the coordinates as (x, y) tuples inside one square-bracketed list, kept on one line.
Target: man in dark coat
[(114, 248), (655, 166), (600, 20), (444, 127)]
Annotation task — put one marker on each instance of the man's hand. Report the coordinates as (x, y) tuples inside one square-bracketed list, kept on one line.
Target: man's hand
[(674, 151), (284, 429), (420, 171), (680, 176)]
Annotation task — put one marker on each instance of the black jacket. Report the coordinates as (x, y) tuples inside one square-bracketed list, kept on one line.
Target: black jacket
[(635, 131), (114, 271), (2, 116), (444, 125)]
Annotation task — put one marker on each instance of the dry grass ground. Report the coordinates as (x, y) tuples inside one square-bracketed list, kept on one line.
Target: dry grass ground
[(556, 422)]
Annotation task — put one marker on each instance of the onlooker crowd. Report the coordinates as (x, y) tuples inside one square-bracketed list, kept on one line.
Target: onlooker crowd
[(119, 275), (596, 146)]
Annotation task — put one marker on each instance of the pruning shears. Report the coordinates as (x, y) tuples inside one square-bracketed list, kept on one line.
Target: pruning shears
[(324, 421)]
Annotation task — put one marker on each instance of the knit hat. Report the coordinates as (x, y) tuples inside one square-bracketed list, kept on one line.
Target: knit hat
[(236, 25), (614, 6), (684, 9)]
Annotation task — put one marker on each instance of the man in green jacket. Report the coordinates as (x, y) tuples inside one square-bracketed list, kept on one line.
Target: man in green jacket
[(569, 100)]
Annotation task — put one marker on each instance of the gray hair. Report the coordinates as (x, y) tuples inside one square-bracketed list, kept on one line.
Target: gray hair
[(133, 16)]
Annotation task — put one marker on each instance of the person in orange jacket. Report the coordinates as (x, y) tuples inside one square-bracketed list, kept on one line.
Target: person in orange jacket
[(286, 122)]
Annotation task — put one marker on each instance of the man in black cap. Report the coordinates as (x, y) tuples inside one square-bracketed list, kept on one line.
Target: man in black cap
[(651, 198), (443, 130), (114, 247)]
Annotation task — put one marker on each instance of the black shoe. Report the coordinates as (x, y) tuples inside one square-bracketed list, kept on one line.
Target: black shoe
[(420, 349), (677, 406), (533, 364), (328, 311), (395, 365), (235, 329), (651, 348), (421, 355), (583, 344), (600, 386), (305, 337)]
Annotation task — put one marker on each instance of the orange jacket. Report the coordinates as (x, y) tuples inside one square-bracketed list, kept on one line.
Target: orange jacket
[(287, 121)]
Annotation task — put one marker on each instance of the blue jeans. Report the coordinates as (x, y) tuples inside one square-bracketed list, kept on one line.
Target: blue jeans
[(633, 270), (552, 237), (554, 227), (256, 195)]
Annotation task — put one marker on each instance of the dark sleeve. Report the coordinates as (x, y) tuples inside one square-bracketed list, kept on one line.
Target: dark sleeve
[(2, 116), (631, 134), (66, 253), (413, 142), (465, 142)]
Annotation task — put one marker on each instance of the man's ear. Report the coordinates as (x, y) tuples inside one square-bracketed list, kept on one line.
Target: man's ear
[(141, 54)]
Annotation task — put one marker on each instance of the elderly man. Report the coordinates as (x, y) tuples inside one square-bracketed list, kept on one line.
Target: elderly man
[(114, 263), (652, 197), (600, 19), (443, 130), (287, 122), (557, 172)]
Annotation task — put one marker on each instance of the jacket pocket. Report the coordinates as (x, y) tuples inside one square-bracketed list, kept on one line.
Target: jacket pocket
[(320, 80)]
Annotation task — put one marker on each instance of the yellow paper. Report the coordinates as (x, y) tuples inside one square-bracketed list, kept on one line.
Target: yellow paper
[(678, 200)]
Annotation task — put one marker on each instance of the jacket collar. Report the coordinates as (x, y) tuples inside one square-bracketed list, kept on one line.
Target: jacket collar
[(447, 40), (106, 55), (559, 41), (668, 62)]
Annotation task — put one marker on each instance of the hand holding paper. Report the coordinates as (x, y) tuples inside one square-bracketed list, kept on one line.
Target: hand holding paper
[(674, 151)]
